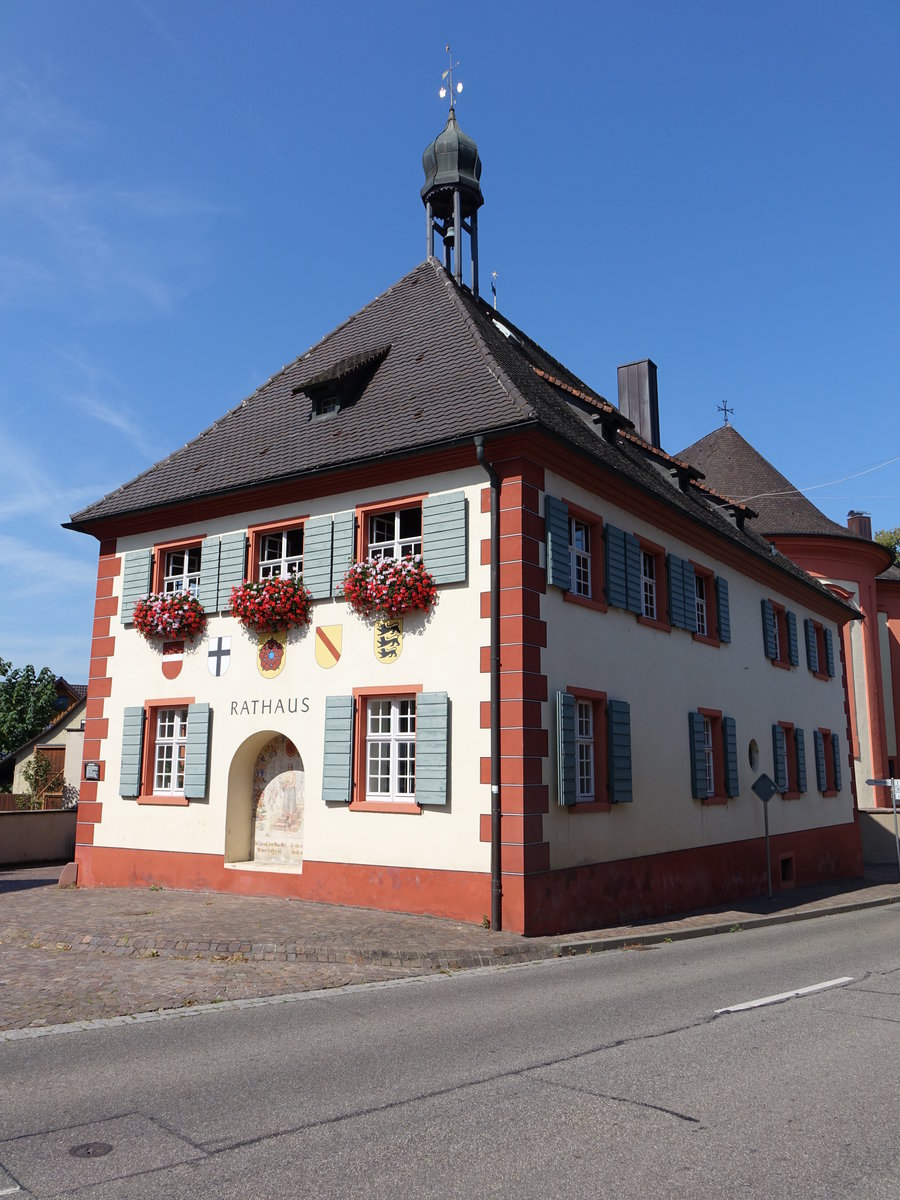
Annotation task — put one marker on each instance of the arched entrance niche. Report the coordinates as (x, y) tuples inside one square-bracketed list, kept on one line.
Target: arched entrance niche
[(266, 794)]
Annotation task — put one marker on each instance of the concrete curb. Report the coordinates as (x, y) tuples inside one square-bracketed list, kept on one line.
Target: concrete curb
[(744, 924)]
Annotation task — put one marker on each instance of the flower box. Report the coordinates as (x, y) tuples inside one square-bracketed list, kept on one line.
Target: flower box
[(169, 615), (266, 605), (392, 586)]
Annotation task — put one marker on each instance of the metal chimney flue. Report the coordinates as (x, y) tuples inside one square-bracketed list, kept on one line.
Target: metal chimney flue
[(860, 524), (639, 398)]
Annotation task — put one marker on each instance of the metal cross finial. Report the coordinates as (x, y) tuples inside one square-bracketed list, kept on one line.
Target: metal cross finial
[(724, 410), (447, 80)]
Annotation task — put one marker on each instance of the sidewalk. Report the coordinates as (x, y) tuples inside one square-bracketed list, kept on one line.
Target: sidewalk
[(71, 954)]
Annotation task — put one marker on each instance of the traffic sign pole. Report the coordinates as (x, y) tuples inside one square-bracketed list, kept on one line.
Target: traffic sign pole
[(894, 785)]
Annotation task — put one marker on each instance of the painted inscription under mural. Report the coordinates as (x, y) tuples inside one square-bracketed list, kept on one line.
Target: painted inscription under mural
[(248, 708)]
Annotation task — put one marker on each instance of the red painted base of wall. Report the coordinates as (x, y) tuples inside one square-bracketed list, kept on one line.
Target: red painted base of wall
[(550, 902), (458, 895), (618, 893)]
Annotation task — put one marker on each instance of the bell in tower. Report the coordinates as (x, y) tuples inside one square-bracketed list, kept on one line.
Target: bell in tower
[(452, 192)]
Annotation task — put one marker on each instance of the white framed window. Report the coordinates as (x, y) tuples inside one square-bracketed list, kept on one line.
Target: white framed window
[(281, 553), (709, 756), (395, 534), (182, 570), (700, 584), (580, 556), (648, 584), (585, 749), (169, 750), (391, 748)]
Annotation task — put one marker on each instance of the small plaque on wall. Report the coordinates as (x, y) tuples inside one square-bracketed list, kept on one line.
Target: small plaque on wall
[(92, 772)]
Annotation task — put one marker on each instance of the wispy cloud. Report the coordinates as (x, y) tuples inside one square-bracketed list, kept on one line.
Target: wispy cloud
[(97, 394), (29, 488), (33, 566), (72, 233)]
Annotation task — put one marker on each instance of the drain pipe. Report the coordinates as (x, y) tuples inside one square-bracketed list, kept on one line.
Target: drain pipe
[(496, 884)]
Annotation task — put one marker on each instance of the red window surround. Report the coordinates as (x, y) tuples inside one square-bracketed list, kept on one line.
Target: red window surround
[(255, 535), (597, 701), (790, 750), (160, 552), (594, 526), (830, 788), (708, 580), (715, 753), (653, 557), (361, 696), (365, 511), (148, 758), (821, 659), (782, 659)]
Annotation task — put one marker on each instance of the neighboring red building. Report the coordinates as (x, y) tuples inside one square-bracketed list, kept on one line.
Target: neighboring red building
[(852, 566)]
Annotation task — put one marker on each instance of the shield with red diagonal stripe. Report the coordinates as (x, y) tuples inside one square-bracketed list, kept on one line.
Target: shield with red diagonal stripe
[(328, 644)]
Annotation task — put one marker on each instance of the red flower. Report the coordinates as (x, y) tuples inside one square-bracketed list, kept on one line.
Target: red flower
[(169, 615), (391, 586), (267, 605)]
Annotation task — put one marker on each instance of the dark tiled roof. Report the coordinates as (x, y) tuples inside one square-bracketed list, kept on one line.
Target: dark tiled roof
[(731, 465), (891, 575), (455, 368)]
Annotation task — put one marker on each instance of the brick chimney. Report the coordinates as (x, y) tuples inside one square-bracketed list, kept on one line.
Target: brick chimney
[(639, 399), (860, 524)]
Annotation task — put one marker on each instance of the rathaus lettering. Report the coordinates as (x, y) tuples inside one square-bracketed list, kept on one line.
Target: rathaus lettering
[(246, 708)]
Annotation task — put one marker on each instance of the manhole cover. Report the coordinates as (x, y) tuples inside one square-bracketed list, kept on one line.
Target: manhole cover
[(90, 1150)]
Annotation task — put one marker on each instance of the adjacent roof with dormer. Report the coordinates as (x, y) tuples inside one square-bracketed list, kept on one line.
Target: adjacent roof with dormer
[(441, 367)]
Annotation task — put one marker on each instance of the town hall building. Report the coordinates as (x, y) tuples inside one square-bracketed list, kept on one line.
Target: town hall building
[(426, 624)]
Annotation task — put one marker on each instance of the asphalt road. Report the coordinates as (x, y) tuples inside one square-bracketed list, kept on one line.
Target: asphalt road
[(605, 1076)]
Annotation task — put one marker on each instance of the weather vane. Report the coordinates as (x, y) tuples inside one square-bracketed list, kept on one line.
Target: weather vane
[(447, 79), (724, 410)]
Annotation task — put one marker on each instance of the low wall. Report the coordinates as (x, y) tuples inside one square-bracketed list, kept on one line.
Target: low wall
[(876, 828), (27, 837)]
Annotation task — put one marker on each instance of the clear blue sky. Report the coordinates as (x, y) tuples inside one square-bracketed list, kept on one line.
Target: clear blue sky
[(191, 194)]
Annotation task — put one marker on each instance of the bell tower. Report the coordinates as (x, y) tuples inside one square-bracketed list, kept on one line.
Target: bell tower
[(452, 191)]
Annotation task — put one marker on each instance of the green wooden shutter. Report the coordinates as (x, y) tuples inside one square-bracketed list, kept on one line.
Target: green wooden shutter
[(723, 613), (208, 592), (793, 647), (821, 777), (699, 782), (769, 630), (132, 751), (829, 653), (317, 557), (135, 582), (677, 599), (432, 730), (633, 569), (618, 721), (232, 566), (342, 550), (196, 755), (800, 744), (566, 768), (337, 763), (729, 736), (615, 571), (556, 518), (444, 537), (836, 751), (779, 751), (812, 650)]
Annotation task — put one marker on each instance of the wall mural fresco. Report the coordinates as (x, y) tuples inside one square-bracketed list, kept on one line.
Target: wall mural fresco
[(278, 801)]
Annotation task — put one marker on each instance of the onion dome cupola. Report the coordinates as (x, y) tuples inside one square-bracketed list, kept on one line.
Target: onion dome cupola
[(452, 192)]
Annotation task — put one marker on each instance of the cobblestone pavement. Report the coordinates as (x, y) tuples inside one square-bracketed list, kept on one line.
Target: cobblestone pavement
[(72, 954)]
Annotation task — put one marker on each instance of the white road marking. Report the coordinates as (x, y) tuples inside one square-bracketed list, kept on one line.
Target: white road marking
[(815, 987)]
